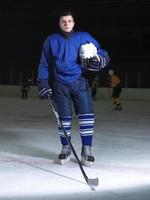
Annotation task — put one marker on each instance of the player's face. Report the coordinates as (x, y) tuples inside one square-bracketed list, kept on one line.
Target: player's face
[(66, 23)]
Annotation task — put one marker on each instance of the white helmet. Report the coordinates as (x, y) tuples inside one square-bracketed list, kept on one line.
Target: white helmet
[(88, 51), (111, 72)]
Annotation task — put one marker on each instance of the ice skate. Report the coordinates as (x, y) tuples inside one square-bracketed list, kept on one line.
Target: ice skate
[(115, 106), (86, 156), (118, 107), (64, 156)]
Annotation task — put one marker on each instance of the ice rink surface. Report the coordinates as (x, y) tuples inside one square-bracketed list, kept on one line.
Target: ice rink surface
[(29, 146)]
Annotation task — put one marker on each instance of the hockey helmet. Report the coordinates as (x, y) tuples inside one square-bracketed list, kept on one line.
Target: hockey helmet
[(88, 51), (111, 72)]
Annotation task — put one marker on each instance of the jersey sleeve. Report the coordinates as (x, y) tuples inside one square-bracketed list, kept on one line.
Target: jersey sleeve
[(44, 64)]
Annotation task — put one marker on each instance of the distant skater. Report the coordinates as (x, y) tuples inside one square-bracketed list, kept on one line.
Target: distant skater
[(94, 88), (115, 83), (24, 90)]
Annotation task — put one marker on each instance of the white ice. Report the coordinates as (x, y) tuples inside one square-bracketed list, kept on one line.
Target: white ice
[(29, 147)]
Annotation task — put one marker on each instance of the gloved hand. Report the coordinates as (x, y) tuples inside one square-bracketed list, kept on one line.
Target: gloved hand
[(44, 89), (92, 64)]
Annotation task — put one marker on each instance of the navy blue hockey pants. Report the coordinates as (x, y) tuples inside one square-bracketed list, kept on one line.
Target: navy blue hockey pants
[(75, 95)]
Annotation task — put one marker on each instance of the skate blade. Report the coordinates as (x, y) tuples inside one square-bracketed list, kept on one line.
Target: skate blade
[(93, 181), (86, 163), (63, 161), (117, 109)]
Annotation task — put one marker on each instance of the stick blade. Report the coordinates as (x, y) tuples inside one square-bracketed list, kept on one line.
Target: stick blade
[(93, 181)]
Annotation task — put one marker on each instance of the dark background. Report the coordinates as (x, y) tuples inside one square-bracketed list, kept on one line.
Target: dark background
[(121, 26)]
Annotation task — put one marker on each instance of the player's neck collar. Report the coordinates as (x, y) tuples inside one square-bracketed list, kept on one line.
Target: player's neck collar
[(67, 35)]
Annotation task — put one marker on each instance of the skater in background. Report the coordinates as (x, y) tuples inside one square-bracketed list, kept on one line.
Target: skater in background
[(115, 83), (94, 88), (25, 87), (65, 58), (29, 83), (24, 90)]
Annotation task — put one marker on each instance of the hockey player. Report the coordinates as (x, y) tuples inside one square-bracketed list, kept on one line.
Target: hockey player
[(66, 55), (94, 87), (115, 83)]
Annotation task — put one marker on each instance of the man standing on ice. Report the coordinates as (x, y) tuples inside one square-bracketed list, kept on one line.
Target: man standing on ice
[(65, 58), (115, 83)]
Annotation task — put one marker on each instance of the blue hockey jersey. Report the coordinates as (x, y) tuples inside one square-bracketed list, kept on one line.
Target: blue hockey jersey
[(65, 52)]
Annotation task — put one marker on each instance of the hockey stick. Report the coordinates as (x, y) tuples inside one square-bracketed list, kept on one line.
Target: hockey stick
[(91, 182)]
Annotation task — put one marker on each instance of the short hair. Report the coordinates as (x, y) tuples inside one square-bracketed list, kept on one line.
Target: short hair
[(65, 13)]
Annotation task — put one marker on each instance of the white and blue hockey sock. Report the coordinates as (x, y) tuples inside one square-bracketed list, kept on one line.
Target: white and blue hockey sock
[(86, 125), (66, 121)]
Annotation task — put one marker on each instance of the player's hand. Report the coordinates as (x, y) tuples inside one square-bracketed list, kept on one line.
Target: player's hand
[(44, 93), (44, 89)]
